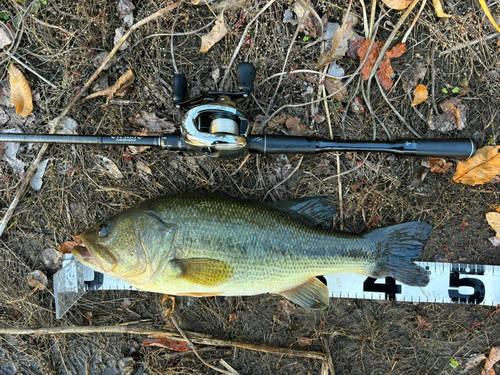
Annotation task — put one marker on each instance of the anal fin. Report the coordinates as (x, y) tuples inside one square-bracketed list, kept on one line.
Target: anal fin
[(313, 294)]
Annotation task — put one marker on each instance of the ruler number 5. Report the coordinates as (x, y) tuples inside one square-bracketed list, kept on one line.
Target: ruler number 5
[(455, 282)]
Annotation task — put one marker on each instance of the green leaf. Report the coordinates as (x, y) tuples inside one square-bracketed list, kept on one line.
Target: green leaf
[(305, 39), (453, 363), (455, 90), (444, 90)]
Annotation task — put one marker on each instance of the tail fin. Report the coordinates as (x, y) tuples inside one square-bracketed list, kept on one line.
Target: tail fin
[(398, 245)]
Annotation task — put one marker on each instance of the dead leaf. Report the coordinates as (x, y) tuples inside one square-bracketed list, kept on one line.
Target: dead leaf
[(339, 45), (10, 150), (216, 34), (144, 169), (119, 32), (296, 128), (332, 85), (420, 95), (357, 105), (385, 71), (373, 222), (305, 341), (52, 259), (397, 4), (353, 47), (418, 178), (6, 34), (474, 360), (493, 219), (67, 246), (164, 342), (437, 165), (356, 186), (413, 75), (488, 14), (285, 309), (372, 56), (438, 7), (454, 116), (480, 168), (117, 89), (319, 118), (108, 166), (151, 124), (38, 280), (36, 180), (311, 22), (20, 92), (424, 323), (493, 358), (233, 317)]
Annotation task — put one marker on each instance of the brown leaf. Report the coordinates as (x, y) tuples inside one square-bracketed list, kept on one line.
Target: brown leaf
[(120, 85), (217, 33), (356, 186), (413, 75), (372, 56), (480, 168), (233, 317), (372, 224), (285, 309), (305, 341), (493, 358), (339, 45), (493, 219), (290, 122), (385, 71), (420, 95), (438, 7), (164, 342), (67, 246), (296, 128), (20, 92), (424, 323), (353, 47), (439, 165), (357, 105), (332, 85), (454, 116), (38, 280), (152, 124), (319, 118), (397, 4)]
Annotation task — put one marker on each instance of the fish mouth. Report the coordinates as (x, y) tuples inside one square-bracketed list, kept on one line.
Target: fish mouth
[(85, 253)]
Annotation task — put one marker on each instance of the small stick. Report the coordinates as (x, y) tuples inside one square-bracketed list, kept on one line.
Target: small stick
[(240, 44), (196, 353), (470, 43), (197, 338), (414, 22), (54, 124), (31, 70)]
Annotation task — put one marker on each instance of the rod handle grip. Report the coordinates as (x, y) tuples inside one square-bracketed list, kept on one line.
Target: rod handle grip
[(246, 76), (180, 87), (457, 148)]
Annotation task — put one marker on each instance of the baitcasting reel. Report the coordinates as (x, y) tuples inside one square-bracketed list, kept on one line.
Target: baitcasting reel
[(214, 125)]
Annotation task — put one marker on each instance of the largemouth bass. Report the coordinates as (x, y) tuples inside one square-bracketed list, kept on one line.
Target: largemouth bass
[(200, 245)]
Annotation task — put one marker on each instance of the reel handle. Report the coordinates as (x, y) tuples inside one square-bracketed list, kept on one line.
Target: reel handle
[(246, 76), (180, 88)]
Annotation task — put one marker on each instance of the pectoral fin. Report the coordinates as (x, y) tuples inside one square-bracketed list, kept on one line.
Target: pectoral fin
[(204, 271), (313, 294)]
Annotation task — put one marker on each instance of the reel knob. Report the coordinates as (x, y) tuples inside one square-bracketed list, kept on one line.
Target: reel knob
[(246, 77), (180, 88)]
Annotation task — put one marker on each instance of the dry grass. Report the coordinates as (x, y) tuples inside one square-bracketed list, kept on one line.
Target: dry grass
[(60, 43)]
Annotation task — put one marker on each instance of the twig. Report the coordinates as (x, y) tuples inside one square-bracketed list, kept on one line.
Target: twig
[(470, 43), (31, 70), (195, 352), (407, 34), (240, 44), (297, 71), (410, 128), (197, 338), (286, 179), (54, 124), (172, 41), (278, 85)]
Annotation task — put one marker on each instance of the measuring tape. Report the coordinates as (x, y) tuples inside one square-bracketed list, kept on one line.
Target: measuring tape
[(449, 283)]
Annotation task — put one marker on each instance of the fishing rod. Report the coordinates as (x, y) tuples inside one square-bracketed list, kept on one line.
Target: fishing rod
[(214, 126)]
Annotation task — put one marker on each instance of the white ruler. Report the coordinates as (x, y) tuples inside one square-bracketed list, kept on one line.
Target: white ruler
[(449, 283)]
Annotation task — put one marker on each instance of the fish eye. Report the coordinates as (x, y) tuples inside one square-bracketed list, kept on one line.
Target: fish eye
[(102, 230)]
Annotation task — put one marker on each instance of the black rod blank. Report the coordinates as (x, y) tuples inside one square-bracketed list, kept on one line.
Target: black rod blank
[(460, 148)]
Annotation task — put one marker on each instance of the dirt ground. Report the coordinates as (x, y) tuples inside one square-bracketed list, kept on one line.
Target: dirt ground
[(60, 42)]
